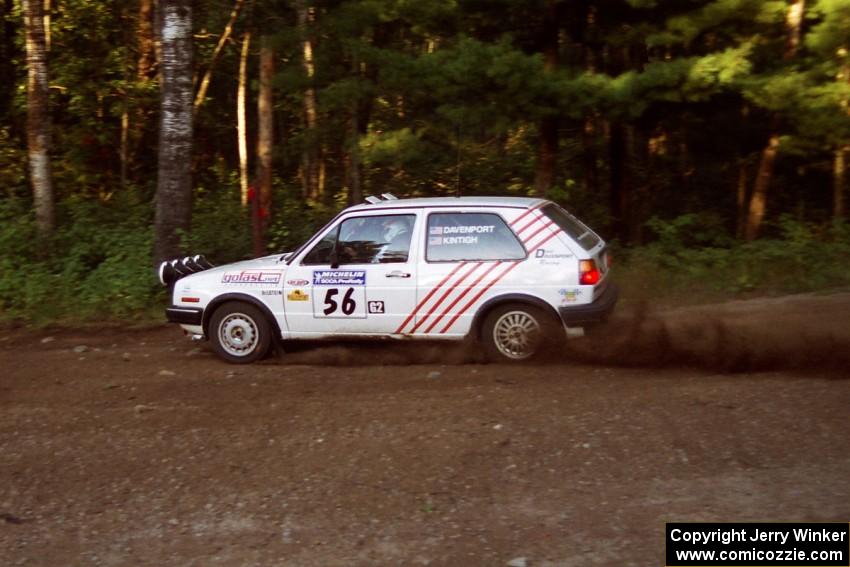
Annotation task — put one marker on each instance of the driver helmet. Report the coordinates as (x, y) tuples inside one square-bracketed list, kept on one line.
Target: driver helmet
[(392, 228)]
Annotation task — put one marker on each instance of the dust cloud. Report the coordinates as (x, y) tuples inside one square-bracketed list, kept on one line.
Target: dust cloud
[(797, 332), (803, 332)]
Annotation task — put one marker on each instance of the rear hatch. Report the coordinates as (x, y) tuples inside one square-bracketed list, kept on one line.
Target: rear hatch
[(581, 235)]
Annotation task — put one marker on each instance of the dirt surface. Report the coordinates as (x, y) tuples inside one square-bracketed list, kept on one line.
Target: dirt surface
[(140, 448)]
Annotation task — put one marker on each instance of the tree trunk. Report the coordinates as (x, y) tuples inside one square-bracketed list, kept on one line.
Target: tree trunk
[(355, 189), (741, 199), (228, 29), (839, 163), (620, 180), (133, 116), (174, 184), (839, 179), (124, 150), (146, 63), (590, 169), (48, 8), (758, 201), (241, 122), (547, 149), (310, 162), (264, 142), (38, 117), (547, 156)]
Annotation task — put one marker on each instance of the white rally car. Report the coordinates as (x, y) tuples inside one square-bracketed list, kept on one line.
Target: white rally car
[(512, 273)]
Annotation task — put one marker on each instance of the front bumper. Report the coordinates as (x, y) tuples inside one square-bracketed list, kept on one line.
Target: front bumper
[(596, 312), (184, 315)]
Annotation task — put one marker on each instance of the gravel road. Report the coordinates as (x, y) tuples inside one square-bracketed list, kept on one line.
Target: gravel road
[(139, 448)]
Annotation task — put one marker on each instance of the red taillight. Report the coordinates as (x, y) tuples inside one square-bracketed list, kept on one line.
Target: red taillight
[(587, 272), (190, 299)]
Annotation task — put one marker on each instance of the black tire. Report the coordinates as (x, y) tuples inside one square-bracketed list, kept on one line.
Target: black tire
[(240, 333), (517, 332)]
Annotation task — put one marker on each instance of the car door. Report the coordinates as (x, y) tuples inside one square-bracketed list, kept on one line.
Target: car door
[(359, 278), (467, 253)]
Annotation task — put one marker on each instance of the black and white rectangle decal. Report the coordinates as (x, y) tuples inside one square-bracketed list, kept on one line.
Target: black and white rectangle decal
[(341, 294)]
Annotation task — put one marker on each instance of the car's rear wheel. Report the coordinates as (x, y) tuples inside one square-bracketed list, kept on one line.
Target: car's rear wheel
[(516, 333), (240, 333)]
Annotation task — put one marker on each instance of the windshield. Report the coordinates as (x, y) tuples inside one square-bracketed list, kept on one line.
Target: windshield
[(298, 250)]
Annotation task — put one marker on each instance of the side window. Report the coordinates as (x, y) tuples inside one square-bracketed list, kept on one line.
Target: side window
[(322, 250), (365, 240), (586, 238), (375, 239), (454, 237)]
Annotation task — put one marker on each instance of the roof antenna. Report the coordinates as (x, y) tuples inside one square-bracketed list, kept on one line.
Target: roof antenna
[(457, 165)]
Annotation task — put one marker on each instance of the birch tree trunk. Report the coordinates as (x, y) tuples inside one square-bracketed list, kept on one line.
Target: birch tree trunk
[(241, 121), (38, 117), (758, 200), (174, 184)]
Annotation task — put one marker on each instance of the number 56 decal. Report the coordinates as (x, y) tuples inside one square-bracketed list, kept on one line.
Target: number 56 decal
[(341, 303)]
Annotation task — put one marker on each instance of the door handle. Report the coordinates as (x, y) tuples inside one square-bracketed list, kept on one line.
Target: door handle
[(397, 274)]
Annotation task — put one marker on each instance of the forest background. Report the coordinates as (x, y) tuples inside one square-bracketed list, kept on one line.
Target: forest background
[(706, 139)]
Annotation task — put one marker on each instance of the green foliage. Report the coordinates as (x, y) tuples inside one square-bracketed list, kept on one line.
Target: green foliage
[(434, 97), (693, 258), (97, 266)]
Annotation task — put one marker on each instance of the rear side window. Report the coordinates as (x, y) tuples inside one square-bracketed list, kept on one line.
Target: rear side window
[(586, 238), (453, 237)]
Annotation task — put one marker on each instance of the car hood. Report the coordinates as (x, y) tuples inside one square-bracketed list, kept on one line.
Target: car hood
[(274, 263)]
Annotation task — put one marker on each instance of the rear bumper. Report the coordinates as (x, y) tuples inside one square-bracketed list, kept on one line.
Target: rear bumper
[(184, 315), (595, 312)]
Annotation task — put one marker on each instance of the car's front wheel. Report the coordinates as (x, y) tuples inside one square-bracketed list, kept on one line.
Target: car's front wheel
[(516, 332), (240, 333)]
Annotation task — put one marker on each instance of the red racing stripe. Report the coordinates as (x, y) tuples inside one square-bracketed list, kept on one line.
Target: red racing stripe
[(427, 297), (461, 296), (497, 278), (536, 232), (545, 240), (528, 211), (444, 296), (478, 296), (530, 223)]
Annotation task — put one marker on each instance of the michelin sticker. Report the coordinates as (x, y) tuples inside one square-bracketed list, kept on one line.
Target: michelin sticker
[(339, 277)]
